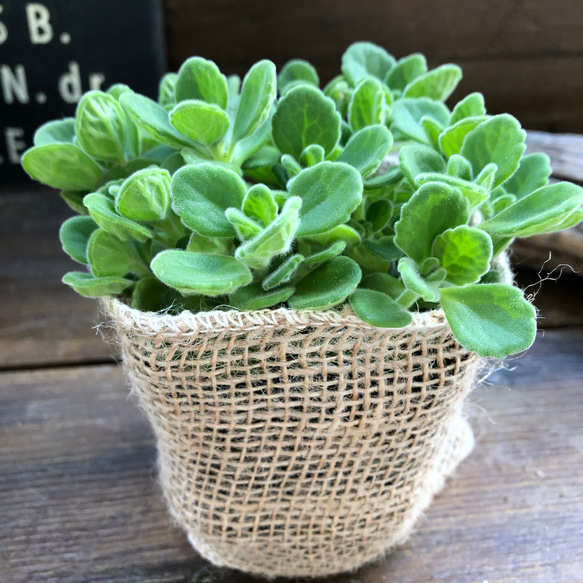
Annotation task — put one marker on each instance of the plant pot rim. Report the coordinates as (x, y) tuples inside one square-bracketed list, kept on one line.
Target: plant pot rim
[(187, 323)]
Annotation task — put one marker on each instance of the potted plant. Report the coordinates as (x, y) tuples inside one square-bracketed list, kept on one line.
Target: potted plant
[(304, 283)]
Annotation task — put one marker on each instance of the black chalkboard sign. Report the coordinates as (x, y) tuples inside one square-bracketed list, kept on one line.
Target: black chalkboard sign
[(54, 50)]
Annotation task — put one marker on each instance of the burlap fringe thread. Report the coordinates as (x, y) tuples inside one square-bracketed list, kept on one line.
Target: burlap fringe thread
[(298, 443)]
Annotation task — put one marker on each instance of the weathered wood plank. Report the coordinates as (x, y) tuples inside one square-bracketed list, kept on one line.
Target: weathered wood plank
[(564, 150), (526, 57), (79, 499)]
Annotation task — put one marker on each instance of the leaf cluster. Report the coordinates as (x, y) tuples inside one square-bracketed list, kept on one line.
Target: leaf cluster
[(272, 191)]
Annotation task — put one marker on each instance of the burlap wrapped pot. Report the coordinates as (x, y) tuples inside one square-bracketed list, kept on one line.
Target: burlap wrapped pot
[(297, 443)]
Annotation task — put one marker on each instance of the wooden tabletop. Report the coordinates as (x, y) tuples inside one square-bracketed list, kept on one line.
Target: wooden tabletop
[(79, 499)]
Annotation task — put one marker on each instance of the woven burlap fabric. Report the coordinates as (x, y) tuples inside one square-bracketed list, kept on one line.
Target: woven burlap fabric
[(297, 443)]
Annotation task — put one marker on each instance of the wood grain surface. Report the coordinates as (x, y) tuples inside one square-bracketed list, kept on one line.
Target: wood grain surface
[(526, 56), (79, 501)]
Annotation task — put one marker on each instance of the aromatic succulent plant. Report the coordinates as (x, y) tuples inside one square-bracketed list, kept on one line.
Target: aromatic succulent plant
[(273, 192)]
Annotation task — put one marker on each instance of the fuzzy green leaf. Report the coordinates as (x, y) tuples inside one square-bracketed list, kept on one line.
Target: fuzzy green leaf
[(470, 106), (202, 122), (95, 287), (459, 167), (304, 116), (275, 239), (201, 79), (379, 213), (245, 227), (406, 70), (283, 273), (415, 160), (384, 248), (312, 155), (74, 235), (340, 233), (254, 297), (452, 139), (108, 256), (210, 245), (260, 204), (101, 127), (145, 195), (532, 174), (384, 283), (55, 132), (102, 209), (490, 319), (202, 193), (257, 95), (415, 282), (153, 119), (297, 71), (379, 309), (325, 255), (433, 209), (362, 59), (475, 194), (60, 165), (367, 105), (330, 192), (167, 90), (367, 148), (199, 273), (498, 140), (438, 84), (464, 252), (540, 209), (406, 116), (326, 286)]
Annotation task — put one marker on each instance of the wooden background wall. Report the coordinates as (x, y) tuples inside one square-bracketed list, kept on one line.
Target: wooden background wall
[(526, 56)]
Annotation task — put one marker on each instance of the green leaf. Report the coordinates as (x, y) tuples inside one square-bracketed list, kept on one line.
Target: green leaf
[(167, 91), (62, 166), (283, 273), (367, 105), (312, 155), (199, 273), (296, 71), (415, 160), (210, 245), (498, 140), (490, 319), (257, 95), (260, 204), (245, 227), (379, 213), (108, 256), (464, 252), (201, 79), (202, 122), (391, 176), (362, 59), (433, 209), (95, 287), (101, 127), (340, 233), (102, 210), (459, 167), (367, 148), (326, 286), (384, 248), (406, 70), (470, 106), (415, 282), (384, 283), (75, 201), (433, 130), (406, 116), (378, 309), (145, 195), (325, 255), (202, 193), (549, 204), (153, 119), (532, 174), (438, 84), (475, 194), (340, 92), (330, 192), (54, 132), (274, 240), (254, 297), (452, 139), (151, 295), (74, 235), (304, 116), (289, 163)]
